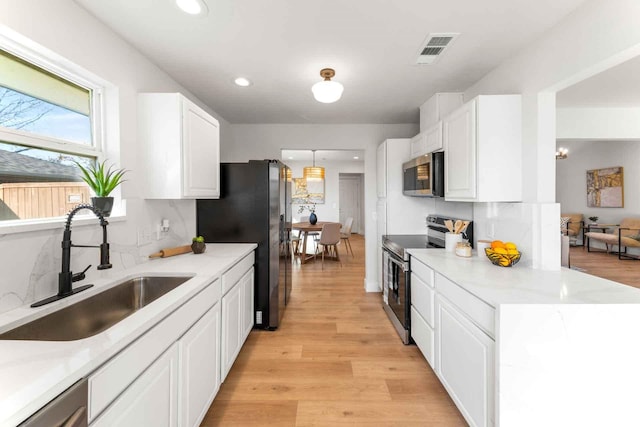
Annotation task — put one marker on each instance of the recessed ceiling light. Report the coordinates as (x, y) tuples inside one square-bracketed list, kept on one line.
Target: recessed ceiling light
[(290, 157), (355, 157), (241, 81), (192, 7)]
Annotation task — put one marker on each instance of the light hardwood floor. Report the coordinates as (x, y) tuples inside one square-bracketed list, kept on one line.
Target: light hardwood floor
[(335, 361), (607, 266)]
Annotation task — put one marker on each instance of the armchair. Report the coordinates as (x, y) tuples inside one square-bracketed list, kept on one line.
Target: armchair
[(574, 228), (627, 235)]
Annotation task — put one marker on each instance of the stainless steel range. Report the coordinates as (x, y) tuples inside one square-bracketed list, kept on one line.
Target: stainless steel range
[(396, 271)]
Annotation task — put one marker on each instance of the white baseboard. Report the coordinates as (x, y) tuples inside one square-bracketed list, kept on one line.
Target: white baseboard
[(372, 286)]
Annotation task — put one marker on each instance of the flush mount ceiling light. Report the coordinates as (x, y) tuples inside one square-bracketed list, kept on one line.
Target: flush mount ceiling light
[(241, 81), (192, 7), (327, 91), (313, 173), (562, 153)]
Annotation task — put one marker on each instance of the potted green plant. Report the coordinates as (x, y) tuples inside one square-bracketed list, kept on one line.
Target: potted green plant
[(102, 181), (197, 245)]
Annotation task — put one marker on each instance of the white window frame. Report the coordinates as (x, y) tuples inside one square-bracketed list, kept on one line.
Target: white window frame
[(26, 49)]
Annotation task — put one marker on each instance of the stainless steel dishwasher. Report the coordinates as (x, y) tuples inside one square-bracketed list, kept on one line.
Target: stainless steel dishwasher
[(69, 409)]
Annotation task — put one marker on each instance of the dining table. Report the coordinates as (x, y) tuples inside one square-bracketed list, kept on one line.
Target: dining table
[(305, 228)]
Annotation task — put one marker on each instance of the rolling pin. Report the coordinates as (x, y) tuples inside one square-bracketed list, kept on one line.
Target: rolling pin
[(171, 251)]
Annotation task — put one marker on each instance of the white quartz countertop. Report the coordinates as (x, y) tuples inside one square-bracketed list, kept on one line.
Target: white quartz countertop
[(32, 373), (524, 285)]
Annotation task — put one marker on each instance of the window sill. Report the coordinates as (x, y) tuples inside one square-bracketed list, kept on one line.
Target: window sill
[(23, 226)]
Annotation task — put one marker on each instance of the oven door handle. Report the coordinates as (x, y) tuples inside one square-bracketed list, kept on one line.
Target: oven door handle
[(404, 266)]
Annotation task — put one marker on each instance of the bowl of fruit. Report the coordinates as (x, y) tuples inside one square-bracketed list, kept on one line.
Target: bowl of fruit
[(503, 254)]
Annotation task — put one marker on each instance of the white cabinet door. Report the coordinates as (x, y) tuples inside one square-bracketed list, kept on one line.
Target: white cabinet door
[(427, 141), (459, 134), (201, 152), (381, 170), (180, 148), (246, 296), (199, 367), (433, 138), (438, 107), (151, 400), (418, 145), (231, 328), (465, 363)]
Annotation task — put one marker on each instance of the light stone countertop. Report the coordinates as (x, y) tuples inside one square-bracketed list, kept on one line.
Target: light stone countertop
[(32, 373), (524, 285)]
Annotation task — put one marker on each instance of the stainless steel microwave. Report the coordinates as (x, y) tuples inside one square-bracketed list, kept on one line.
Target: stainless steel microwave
[(424, 176)]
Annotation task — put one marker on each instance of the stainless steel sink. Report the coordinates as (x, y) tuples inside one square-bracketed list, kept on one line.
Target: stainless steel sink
[(97, 313)]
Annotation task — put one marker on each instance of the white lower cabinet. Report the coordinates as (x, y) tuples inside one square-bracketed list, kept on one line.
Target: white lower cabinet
[(199, 367), (247, 303), (151, 400), (231, 325), (423, 335), (170, 375), (237, 319), (465, 363)]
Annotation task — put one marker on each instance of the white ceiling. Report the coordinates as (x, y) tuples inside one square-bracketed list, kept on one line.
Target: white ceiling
[(617, 87), (281, 45), (323, 155)]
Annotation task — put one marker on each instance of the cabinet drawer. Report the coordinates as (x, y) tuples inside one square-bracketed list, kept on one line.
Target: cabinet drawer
[(236, 272), (151, 400), (116, 375), (478, 311), (423, 335), (422, 271), (422, 297)]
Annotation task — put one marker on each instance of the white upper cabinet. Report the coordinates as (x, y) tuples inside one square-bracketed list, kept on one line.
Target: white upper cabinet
[(483, 150), (181, 148), (427, 141), (431, 114), (437, 108)]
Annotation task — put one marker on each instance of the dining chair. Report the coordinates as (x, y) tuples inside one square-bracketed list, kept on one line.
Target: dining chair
[(315, 236), (345, 233), (329, 241)]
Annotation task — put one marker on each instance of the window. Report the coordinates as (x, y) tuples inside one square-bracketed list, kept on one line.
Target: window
[(48, 122)]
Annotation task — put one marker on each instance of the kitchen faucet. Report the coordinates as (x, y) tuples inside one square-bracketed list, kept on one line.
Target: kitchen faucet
[(66, 277)]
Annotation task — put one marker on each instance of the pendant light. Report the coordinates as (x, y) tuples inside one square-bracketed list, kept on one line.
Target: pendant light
[(327, 91), (313, 173)]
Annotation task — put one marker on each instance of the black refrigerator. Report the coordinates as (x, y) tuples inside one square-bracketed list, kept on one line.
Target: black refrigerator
[(255, 207)]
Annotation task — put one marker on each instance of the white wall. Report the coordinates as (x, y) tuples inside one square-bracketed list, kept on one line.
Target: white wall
[(31, 260), (598, 123), (330, 209), (266, 141), (596, 36), (571, 187)]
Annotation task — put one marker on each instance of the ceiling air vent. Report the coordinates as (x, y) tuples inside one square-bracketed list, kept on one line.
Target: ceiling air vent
[(434, 46)]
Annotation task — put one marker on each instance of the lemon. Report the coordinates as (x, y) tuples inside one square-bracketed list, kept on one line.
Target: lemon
[(512, 251), (500, 250), (510, 245)]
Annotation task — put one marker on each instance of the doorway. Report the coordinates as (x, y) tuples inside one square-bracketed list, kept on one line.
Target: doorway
[(351, 199)]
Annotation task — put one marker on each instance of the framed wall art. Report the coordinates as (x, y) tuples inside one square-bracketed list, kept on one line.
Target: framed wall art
[(305, 192), (605, 188)]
